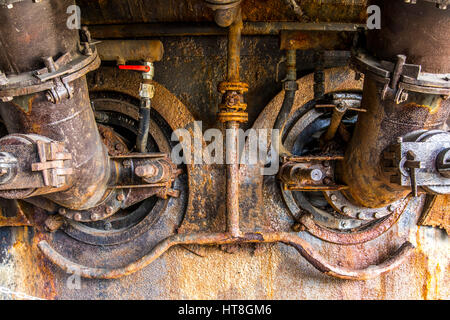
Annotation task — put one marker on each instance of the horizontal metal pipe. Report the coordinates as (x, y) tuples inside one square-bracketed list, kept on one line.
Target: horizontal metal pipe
[(131, 50), (146, 30)]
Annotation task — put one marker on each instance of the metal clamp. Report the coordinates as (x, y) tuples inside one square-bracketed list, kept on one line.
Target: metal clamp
[(54, 78), (53, 156), (400, 78)]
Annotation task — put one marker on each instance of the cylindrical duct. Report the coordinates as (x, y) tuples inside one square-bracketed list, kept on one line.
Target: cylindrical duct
[(30, 32), (420, 32)]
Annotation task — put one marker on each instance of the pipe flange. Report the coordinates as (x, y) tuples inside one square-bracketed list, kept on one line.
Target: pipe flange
[(232, 116), (441, 4), (346, 208), (225, 86), (58, 73), (400, 77), (222, 4), (110, 205)]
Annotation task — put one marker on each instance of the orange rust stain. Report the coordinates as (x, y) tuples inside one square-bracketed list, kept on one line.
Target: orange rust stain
[(32, 274)]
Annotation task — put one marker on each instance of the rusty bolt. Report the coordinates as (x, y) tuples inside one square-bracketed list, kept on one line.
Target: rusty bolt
[(50, 97), (127, 163), (95, 217), (77, 217), (298, 227), (316, 175), (173, 193), (404, 96), (62, 211), (146, 171), (109, 210), (120, 197), (118, 147), (53, 223)]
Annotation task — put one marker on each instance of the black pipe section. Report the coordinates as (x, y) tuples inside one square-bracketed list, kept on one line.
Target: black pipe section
[(144, 125)]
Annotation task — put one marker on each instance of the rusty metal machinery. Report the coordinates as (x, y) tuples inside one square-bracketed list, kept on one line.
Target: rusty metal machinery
[(360, 148)]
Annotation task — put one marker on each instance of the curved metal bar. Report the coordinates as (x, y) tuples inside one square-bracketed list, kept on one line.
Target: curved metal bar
[(291, 239), (371, 232)]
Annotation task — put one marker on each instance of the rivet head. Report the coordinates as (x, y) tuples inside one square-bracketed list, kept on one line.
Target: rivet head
[(333, 197), (77, 217)]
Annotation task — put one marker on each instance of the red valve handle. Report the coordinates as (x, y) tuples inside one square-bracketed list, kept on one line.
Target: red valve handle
[(134, 68)]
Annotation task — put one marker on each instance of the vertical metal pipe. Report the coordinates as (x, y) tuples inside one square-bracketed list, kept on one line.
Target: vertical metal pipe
[(234, 49), (30, 32), (336, 119), (233, 179), (234, 52)]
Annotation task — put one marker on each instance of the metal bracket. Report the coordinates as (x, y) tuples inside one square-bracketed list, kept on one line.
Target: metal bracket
[(400, 78), (53, 156)]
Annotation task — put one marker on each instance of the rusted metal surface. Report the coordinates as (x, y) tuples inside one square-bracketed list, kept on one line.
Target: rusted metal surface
[(110, 11), (232, 208), (58, 121), (231, 114), (269, 273), (225, 11), (436, 211), (61, 119), (392, 111), (225, 238), (48, 38), (355, 236), (424, 41), (14, 215), (122, 51), (251, 272), (377, 129), (316, 40), (145, 30)]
